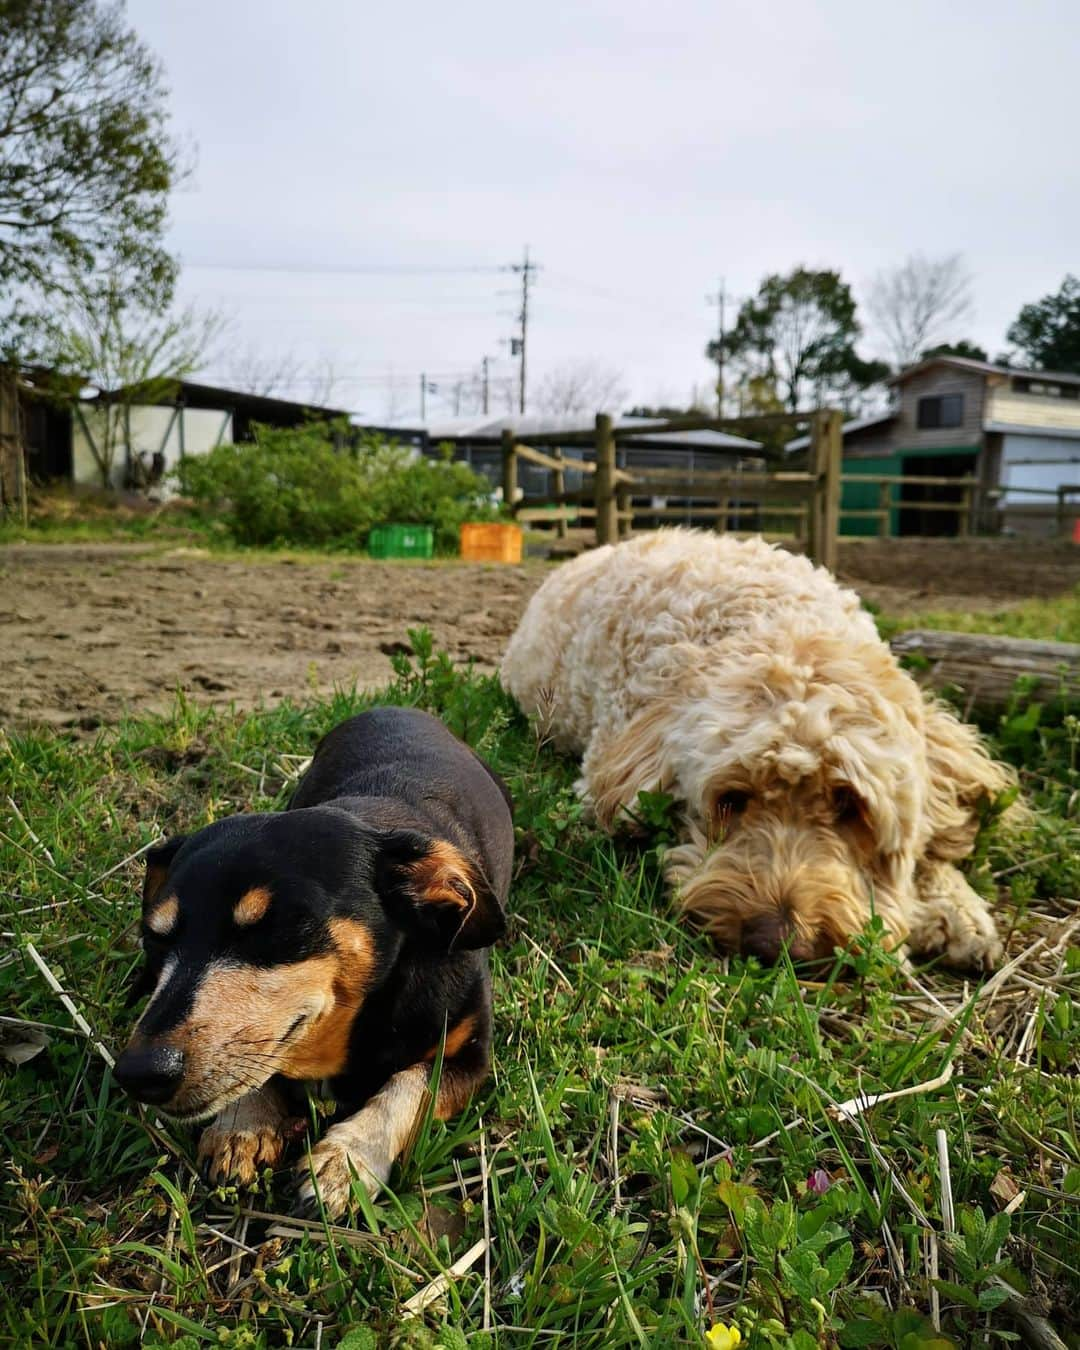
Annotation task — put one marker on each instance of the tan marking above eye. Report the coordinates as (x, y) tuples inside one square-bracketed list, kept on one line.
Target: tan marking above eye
[(251, 906), (162, 918), (442, 877)]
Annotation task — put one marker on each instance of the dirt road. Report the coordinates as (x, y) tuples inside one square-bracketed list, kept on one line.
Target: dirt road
[(89, 631)]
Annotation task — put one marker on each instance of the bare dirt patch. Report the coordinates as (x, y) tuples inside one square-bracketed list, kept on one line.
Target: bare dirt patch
[(89, 631)]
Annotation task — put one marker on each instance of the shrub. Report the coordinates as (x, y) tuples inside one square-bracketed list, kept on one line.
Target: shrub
[(319, 485)]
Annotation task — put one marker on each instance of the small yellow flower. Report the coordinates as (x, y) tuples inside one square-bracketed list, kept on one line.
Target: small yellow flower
[(720, 1337)]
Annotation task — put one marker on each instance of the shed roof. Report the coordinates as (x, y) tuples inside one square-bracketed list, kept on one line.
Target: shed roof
[(849, 428), (488, 428), (984, 368)]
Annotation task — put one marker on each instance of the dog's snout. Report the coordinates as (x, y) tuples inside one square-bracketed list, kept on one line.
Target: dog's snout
[(150, 1075), (764, 936)]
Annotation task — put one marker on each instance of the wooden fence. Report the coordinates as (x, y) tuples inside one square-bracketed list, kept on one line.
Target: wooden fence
[(809, 498), (804, 502)]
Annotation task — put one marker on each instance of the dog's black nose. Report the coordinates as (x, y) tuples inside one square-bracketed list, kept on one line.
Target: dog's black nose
[(150, 1075), (764, 936)]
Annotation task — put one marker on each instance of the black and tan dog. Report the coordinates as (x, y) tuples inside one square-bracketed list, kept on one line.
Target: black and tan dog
[(337, 940)]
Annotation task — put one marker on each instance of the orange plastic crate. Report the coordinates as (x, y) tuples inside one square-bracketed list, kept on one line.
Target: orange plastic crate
[(491, 543)]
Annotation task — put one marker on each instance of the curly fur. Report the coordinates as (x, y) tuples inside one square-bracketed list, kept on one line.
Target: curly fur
[(818, 785)]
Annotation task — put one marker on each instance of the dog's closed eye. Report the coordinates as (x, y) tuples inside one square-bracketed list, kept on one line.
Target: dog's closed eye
[(846, 806), (730, 804)]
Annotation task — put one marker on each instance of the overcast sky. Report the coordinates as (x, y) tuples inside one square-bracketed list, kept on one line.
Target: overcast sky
[(642, 150)]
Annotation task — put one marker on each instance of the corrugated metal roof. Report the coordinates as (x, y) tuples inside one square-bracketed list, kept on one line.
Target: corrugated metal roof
[(858, 424), (488, 427)]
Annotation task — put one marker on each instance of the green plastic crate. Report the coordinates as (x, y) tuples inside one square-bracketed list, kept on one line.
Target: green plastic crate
[(401, 541)]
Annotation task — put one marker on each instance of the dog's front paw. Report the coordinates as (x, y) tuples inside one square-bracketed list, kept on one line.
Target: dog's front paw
[(238, 1154), (953, 921), (331, 1167)]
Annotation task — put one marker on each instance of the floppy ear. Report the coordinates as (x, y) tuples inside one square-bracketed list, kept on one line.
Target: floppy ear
[(158, 861), (434, 892)]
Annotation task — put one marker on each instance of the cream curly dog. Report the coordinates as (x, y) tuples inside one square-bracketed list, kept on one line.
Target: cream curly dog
[(819, 786)]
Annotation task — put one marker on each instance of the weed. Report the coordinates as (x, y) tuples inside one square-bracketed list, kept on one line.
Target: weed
[(658, 1150)]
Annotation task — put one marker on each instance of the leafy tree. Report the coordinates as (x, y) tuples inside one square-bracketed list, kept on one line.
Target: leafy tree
[(1048, 331), (971, 350), (133, 354), (915, 303), (86, 160), (797, 335)]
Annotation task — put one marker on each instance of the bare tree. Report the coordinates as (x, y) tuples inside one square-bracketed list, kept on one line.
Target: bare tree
[(580, 387), (133, 354), (914, 305), (323, 380), (252, 370)]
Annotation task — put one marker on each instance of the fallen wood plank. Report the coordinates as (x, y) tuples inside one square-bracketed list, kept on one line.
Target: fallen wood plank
[(986, 668)]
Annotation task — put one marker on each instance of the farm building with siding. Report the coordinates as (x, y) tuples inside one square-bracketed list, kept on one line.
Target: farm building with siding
[(1017, 432), (60, 437)]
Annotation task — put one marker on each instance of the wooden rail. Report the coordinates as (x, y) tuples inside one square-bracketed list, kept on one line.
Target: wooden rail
[(809, 498)]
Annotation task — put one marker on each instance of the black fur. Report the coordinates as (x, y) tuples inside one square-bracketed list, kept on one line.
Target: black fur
[(383, 787)]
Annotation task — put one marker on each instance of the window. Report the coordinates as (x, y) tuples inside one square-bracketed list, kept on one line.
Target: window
[(1045, 390), (942, 410)]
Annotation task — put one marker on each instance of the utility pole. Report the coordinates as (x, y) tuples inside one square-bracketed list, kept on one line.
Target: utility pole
[(527, 270), (485, 381), (718, 301), (423, 398)]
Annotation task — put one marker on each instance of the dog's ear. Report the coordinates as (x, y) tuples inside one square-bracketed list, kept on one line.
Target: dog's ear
[(434, 892), (158, 862)]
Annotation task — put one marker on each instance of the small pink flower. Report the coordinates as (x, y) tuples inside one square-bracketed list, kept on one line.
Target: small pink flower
[(818, 1182)]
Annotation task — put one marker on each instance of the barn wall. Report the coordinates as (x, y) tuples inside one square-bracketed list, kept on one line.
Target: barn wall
[(936, 381), (152, 429)]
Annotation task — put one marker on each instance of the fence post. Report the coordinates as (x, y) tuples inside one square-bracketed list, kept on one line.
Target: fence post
[(509, 469), (622, 503), (12, 463), (604, 497), (964, 523), (826, 457), (560, 489), (885, 507)]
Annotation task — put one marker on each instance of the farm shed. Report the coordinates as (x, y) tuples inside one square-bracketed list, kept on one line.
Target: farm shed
[(1017, 432), (477, 441), (191, 422)]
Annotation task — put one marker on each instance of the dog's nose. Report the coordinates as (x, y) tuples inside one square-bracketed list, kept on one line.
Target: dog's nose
[(151, 1075), (764, 936)]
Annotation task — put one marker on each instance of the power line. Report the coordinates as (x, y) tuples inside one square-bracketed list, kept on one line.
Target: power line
[(342, 269)]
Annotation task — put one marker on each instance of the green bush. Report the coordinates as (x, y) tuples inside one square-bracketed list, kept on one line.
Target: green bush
[(318, 485)]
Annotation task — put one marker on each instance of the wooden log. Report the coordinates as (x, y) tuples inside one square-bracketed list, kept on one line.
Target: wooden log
[(985, 669), (557, 463)]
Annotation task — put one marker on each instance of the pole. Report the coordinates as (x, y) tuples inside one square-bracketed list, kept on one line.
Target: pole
[(559, 475), (718, 301), (826, 457), (509, 469), (607, 521), (423, 398), (525, 274), (486, 383)]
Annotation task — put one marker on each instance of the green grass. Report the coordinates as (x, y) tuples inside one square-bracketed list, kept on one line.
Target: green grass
[(656, 1136), (1054, 620)]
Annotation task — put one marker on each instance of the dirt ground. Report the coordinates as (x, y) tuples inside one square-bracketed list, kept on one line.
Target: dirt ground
[(89, 631)]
